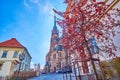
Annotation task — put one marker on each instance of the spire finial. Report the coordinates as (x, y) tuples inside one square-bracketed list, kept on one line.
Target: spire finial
[(54, 20)]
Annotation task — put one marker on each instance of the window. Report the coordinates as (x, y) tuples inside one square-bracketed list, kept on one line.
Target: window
[(60, 55), (54, 56), (25, 57), (15, 54), (22, 66), (4, 55)]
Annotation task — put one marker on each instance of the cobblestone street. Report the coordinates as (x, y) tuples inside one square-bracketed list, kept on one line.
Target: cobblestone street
[(50, 77), (60, 77)]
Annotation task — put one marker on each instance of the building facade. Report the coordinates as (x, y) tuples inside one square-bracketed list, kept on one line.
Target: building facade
[(55, 58), (9, 57)]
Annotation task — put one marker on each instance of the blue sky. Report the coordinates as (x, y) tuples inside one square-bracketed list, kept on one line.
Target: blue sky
[(31, 23)]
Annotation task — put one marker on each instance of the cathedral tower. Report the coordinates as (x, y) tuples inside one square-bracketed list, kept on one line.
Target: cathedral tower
[(54, 36)]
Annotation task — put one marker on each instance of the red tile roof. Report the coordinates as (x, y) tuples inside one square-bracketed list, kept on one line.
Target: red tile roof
[(11, 43)]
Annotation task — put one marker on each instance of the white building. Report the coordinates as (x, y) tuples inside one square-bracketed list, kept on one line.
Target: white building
[(9, 57)]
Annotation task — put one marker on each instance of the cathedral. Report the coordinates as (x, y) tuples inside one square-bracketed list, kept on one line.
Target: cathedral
[(56, 57)]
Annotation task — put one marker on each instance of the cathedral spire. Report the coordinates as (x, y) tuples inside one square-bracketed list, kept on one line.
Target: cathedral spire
[(55, 30)]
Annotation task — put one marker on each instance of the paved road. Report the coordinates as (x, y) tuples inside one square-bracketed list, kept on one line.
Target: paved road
[(60, 77), (49, 77)]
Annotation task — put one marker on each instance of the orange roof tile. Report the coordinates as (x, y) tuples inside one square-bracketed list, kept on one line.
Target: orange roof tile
[(11, 43)]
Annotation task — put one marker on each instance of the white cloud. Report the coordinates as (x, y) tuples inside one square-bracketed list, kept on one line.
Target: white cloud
[(31, 3), (35, 1), (48, 8), (42, 7)]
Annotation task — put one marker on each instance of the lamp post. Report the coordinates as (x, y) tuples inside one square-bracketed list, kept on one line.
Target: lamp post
[(21, 58)]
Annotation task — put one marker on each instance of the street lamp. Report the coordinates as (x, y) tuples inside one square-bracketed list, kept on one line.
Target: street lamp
[(21, 58)]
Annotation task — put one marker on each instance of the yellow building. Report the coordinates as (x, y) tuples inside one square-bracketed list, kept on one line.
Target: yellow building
[(9, 57)]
